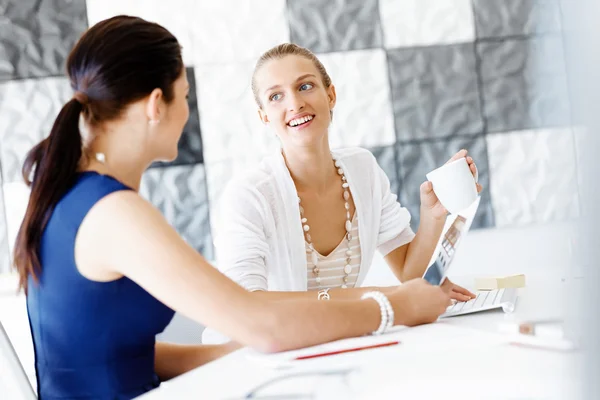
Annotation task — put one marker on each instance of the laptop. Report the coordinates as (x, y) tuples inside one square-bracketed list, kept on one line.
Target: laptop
[(436, 273)]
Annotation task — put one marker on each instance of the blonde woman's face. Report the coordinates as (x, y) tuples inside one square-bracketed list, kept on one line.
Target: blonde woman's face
[(295, 102)]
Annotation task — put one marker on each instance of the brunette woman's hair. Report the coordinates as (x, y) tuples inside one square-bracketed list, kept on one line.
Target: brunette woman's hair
[(115, 63)]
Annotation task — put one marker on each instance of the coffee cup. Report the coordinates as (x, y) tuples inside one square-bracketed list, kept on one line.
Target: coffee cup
[(454, 185)]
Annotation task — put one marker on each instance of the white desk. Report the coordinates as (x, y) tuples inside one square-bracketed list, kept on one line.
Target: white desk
[(460, 371)]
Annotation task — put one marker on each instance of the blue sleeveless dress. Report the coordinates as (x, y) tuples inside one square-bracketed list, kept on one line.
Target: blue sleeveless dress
[(92, 340)]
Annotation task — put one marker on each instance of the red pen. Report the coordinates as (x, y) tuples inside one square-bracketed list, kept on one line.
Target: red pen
[(331, 353)]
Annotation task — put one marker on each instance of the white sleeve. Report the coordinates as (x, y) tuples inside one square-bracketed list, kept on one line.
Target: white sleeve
[(394, 227), (241, 245)]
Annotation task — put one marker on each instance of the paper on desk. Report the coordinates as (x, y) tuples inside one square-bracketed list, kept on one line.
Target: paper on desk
[(282, 358), (436, 337)]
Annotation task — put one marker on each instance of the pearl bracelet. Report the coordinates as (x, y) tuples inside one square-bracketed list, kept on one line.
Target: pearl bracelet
[(387, 312), (323, 295)]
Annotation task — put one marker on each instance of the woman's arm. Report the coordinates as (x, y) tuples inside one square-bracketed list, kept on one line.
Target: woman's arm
[(125, 234), (411, 260), (171, 360), (334, 293)]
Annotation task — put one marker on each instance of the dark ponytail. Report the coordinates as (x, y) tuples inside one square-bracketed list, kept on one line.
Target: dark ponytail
[(54, 163), (116, 62)]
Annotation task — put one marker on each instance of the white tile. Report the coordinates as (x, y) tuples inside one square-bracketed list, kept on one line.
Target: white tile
[(231, 128), (533, 176), (175, 15), (16, 197), (426, 22), (363, 114), (28, 108), (233, 30)]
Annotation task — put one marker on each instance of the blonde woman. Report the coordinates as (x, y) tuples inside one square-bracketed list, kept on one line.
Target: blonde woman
[(307, 222)]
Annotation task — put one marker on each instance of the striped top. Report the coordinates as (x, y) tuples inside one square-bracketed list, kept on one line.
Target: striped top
[(331, 267)]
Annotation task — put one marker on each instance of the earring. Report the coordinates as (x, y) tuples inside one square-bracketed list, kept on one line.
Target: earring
[(154, 121), (100, 157)]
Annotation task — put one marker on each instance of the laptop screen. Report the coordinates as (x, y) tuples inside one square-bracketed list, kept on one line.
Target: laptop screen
[(436, 273)]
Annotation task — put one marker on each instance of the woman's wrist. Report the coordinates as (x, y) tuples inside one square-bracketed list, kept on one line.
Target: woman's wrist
[(385, 309), (427, 214)]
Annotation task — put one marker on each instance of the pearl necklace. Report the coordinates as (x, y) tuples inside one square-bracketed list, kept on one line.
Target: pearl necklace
[(347, 237)]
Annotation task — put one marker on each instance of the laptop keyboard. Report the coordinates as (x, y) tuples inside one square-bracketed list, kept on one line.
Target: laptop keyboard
[(485, 300)]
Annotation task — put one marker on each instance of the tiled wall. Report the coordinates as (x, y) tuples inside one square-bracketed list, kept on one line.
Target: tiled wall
[(416, 80)]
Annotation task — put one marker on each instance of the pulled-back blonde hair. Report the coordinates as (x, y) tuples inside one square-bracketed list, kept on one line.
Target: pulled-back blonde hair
[(279, 52)]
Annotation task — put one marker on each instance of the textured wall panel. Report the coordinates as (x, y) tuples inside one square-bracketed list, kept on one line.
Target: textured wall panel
[(28, 109), (408, 23), (231, 128), (174, 15), (516, 17), (180, 194), (417, 159), (190, 144), (16, 197), (533, 176), (327, 26), (435, 92), (232, 30), (36, 36), (363, 114), (524, 83)]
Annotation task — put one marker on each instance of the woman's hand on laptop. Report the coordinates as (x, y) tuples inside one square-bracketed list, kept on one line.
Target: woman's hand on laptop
[(456, 292), (417, 302)]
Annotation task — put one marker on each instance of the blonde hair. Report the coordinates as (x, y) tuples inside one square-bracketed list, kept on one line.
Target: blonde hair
[(279, 52)]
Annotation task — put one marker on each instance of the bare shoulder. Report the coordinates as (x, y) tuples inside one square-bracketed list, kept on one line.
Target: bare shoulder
[(123, 212), (119, 227)]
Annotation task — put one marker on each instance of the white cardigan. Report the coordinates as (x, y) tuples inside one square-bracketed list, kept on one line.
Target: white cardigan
[(259, 237)]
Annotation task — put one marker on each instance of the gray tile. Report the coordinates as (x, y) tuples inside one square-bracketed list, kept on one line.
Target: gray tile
[(327, 26), (578, 78), (386, 158), (524, 83), (180, 193), (190, 144), (435, 92), (495, 18), (28, 108), (36, 36), (417, 159)]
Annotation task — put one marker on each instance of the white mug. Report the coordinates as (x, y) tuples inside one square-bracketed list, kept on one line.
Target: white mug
[(454, 185)]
